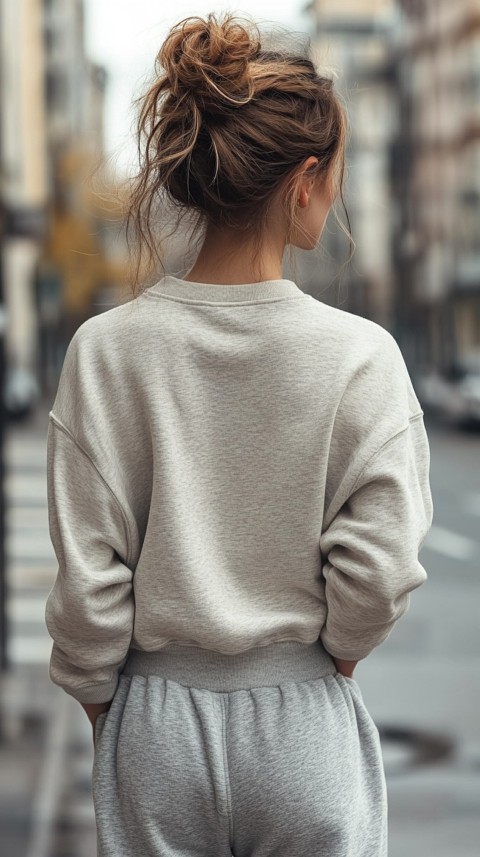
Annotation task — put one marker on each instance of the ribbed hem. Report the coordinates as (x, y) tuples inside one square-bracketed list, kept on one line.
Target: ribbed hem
[(257, 667)]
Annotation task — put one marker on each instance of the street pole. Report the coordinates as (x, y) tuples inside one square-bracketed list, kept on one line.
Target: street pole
[(3, 326), (3, 570)]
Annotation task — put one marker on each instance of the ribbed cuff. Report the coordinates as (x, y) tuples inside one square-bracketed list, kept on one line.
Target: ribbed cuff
[(93, 692)]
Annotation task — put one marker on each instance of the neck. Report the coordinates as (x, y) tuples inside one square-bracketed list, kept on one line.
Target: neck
[(227, 258)]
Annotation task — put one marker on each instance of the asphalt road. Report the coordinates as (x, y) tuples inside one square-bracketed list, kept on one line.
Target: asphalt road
[(422, 685)]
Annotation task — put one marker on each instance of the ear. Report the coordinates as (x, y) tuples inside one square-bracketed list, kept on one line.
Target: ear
[(302, 197)]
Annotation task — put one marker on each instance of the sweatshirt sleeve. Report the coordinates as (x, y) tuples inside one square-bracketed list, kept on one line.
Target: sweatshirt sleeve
[(372, 545), (90, 609)]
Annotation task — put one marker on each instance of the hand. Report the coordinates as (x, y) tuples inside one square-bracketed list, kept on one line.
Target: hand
[(93, 709), (346, 668)]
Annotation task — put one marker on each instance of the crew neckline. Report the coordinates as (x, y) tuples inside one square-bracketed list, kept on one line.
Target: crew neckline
[(175, 287)]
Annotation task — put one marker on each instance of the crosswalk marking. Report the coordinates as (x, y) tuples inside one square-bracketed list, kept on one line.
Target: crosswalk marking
[(30, 650), (31, 561), (27, 609)]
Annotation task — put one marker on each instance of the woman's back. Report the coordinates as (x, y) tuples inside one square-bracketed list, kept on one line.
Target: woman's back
[(228, 425)]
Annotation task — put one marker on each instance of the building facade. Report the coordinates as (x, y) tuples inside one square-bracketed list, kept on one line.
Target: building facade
[(51, 139), (438, 71), (351, 41)]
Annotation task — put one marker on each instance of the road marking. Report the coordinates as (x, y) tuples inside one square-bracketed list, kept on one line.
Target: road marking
[(469, 502), (27, 608), (20, 487), (451, 544), (30, 650), (31, 547)]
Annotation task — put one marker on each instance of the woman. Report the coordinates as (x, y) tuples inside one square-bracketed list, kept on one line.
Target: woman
[(238, 487)]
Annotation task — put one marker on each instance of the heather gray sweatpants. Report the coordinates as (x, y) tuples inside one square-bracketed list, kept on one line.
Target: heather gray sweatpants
[(270, 752)]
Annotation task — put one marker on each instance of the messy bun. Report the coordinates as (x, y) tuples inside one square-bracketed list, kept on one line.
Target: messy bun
[(209, 61), (225, 124)]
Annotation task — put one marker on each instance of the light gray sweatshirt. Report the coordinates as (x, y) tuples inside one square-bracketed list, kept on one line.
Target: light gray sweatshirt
[(228, 467)]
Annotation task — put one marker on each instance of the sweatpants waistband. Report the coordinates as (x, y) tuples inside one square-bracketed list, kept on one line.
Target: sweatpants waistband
[(259, 666)]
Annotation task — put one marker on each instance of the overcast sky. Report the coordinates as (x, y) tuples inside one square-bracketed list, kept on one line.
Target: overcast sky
[(126, 42)]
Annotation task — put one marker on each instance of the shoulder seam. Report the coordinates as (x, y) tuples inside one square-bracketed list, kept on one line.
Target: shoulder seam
[(56, 422), (382, 447)]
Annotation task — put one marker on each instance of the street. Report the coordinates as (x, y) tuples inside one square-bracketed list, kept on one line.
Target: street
[(422, 685)]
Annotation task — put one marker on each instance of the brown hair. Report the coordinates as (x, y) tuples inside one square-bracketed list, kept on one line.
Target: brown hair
[(226, 123)]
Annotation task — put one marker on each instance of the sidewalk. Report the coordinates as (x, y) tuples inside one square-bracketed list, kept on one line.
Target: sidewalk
[(46, 749)]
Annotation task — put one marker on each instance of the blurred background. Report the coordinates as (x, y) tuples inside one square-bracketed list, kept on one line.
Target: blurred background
[(409, 71)]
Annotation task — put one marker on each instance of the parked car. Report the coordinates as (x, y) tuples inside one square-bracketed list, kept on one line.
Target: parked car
[(453, 394)]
